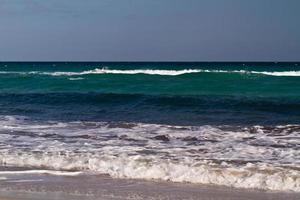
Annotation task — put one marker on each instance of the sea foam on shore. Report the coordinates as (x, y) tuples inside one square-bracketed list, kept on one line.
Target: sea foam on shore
[(256, 157)]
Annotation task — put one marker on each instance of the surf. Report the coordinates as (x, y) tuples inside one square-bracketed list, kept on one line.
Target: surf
[(244, 157), (160, 72)]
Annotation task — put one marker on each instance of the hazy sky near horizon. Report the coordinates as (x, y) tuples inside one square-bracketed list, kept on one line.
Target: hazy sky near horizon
[(149, 30)]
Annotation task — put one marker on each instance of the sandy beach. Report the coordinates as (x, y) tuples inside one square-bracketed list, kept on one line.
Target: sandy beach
[(50, 187)]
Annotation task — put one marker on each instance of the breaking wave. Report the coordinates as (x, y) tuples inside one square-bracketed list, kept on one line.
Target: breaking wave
[(244, 157), (260, 176), (152, 72)]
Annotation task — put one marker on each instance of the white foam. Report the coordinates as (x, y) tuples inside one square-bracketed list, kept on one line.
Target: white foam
[(50, 172), (152, 72), (76, 79), (284, 73), (247, 158), (150, 167), (143, 71)]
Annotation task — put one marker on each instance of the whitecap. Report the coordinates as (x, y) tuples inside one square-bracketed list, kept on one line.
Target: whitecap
[(153, 72), (76, 79)]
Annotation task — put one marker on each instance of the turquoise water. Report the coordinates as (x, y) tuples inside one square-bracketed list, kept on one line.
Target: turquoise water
[(231, 79), (169, 93)]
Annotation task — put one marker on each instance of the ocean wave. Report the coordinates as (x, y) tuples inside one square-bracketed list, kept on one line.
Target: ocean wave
[(247, 157), (260, 176), (152, 72)]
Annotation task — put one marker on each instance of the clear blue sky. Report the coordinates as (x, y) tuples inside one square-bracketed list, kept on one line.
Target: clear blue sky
[(149, 30)]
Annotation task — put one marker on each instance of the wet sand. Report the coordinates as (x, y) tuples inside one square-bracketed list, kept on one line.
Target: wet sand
[(50, 187)]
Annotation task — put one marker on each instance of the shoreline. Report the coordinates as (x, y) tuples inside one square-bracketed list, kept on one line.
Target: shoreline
[(51, 187)]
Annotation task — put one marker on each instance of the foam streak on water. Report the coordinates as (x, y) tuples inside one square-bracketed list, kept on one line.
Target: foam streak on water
[(152, 72), (247, 157)]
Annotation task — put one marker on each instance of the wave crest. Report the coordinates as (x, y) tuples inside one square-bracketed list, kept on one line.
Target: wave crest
[(148, 167), (152, 72)]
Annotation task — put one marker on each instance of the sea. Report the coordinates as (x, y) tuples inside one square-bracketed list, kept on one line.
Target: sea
[(213, 123)]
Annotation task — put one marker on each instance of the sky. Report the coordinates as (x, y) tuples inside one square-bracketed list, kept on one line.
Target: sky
[(149, 30)]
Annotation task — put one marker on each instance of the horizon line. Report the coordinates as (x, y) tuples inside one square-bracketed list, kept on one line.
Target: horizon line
[(82, 61)]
